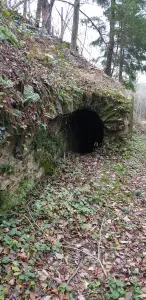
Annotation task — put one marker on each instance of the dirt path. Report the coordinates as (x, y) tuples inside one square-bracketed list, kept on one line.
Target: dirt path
[(84, 235)]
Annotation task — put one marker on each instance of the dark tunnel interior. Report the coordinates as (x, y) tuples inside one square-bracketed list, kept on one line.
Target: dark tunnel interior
[(85, 130)]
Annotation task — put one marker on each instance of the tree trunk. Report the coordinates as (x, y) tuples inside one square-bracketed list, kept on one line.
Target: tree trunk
[(25, 8), (121, 56), (62, 25), (85, 35), (121, 65), (111, 40), (4, 4), (75, 26), (45, 12), (115, 59), (38, 12), (29, 10), (49, 18)]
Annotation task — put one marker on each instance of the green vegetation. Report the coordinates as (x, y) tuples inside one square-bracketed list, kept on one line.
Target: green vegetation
[(89, 198), (7, 35), (123, 55), (30, 95), (48, 148), (6, 83), (113, 108), (118, 288), (67, 236), (9, 199), (6, 168)]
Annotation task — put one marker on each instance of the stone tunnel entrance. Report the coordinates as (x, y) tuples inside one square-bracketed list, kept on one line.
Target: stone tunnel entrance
[(85, 129)]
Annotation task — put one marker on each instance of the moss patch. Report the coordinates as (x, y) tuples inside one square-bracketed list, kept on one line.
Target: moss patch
[(6, 168), (48, 147), (113, 108), (10, 199)]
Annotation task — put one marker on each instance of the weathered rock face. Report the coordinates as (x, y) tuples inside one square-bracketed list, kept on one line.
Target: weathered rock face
[(27, 167), (114, 109), (16, 175)]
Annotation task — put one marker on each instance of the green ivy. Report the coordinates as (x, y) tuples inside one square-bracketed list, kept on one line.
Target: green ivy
[(30, 95), (7, 35), (6, 83)]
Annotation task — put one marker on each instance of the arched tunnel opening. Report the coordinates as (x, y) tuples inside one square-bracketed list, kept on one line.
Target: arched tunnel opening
[(85, 130)]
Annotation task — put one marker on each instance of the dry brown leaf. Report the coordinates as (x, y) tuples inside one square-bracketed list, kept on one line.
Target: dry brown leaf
[(144, 290), (81, 297), (128, 296), (23, 256), (43, 275), (12, 281), (142, 296), (1, 249), (59, 255), (6, 251), (32, 296)]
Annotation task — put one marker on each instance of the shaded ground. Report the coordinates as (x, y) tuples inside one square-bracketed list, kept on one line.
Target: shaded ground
[(84, 235)]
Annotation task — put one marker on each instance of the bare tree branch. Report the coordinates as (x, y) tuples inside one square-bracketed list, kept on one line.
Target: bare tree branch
[(18, 4), (67, 18), (66, 24), (93, 24), (76, 271), (84, 40)]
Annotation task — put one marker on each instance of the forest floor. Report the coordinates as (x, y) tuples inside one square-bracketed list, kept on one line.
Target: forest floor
[(83, 235)]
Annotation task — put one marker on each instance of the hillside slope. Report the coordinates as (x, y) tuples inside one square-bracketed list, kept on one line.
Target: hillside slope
[(41, 85)]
